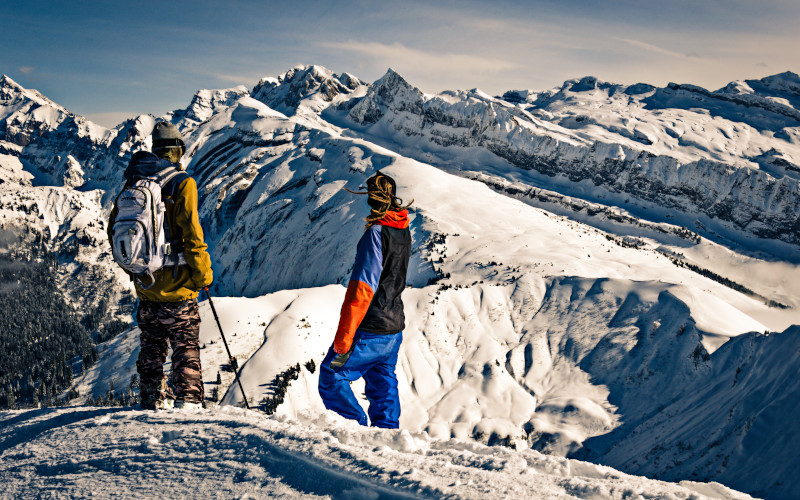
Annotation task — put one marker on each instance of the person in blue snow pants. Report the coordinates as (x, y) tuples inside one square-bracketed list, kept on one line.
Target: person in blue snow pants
[(372, 320), (373, 358)]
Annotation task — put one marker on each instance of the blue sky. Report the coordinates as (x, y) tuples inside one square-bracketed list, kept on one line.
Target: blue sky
[(109, 60)]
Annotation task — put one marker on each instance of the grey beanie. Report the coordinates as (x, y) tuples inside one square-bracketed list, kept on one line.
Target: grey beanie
[(166, 135)]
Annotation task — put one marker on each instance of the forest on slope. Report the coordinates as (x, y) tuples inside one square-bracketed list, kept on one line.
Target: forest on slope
[(41, 333)]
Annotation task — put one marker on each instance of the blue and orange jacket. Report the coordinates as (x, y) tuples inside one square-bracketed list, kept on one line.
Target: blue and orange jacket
[(373, 300)]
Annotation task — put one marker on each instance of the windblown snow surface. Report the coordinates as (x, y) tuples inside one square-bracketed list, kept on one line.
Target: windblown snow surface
[(233, 453), (595, 278)]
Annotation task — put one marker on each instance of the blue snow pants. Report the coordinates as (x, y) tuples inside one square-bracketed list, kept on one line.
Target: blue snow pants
[(374, 357)]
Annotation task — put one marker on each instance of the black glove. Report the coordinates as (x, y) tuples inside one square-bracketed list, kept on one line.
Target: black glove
[(340, 359)]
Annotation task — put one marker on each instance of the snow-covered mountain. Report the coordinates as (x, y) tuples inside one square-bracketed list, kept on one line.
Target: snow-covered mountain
[(729, 157), (595, 268)]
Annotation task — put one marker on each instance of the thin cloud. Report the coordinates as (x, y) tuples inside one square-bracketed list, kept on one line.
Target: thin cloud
[(399, 56), (236, 79), (655, 48), (26, 70)]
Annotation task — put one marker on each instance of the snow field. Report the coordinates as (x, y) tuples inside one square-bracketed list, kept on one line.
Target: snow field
[(531, 364)]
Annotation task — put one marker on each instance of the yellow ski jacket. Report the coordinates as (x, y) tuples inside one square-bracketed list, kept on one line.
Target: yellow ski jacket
[(185, 282)]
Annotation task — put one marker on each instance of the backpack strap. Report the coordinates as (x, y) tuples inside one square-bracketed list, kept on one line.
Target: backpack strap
[(164, 176), (172, 184), (144, 286), (169, 190), (170, 180)]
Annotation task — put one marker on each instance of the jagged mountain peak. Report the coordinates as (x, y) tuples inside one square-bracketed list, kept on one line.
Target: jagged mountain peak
[(392, 79), (306, 71), (205, 103), (780, 82), (779, 93), (15, 94), (778, 85), (7, 82), (570, 87), (220, 94), (587, 83), (519, 96), (787, 79), (320, 75), (316, 86), (349, 80), (390, 90)]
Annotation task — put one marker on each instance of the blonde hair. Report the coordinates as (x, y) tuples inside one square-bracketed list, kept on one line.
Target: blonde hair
[(381, 198)]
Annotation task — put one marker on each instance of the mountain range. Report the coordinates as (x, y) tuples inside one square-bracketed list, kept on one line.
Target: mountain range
[(600, 271)]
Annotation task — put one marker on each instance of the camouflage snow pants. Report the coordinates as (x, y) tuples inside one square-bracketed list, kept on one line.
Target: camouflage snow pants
[(162, 324)]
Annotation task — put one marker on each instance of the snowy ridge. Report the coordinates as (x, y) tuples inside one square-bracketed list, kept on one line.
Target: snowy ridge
[(264, 195), (744, 402), (572, 389), (108, 452), (648, 357)]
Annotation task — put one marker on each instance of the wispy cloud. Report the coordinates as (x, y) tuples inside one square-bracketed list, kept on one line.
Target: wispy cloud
[(26, 70), (399, 56), (237, 79), (655, 48)]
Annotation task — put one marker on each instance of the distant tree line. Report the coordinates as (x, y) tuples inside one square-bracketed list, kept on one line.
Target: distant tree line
[(40, 334), (124, 397), (280, 384), (678, 261)]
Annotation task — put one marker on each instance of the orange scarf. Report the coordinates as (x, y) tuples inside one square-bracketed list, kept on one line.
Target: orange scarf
[(397, 220)]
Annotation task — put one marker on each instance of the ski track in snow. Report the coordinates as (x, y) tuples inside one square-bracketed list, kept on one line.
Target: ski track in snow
[(228, 452)]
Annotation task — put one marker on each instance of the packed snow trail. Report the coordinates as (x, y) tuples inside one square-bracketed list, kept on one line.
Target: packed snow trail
[(228, 452)]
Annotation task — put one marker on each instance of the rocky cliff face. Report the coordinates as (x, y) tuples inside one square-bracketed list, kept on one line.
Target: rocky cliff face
[(312, 84), (638, 141)]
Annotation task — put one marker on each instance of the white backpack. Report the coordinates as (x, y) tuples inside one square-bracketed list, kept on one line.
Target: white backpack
[(138, 235)]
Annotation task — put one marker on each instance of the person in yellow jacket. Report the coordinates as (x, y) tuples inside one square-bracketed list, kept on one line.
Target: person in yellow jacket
[(168, 312)]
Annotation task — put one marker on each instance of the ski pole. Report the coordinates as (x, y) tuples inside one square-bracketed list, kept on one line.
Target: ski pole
[(234, 366)]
